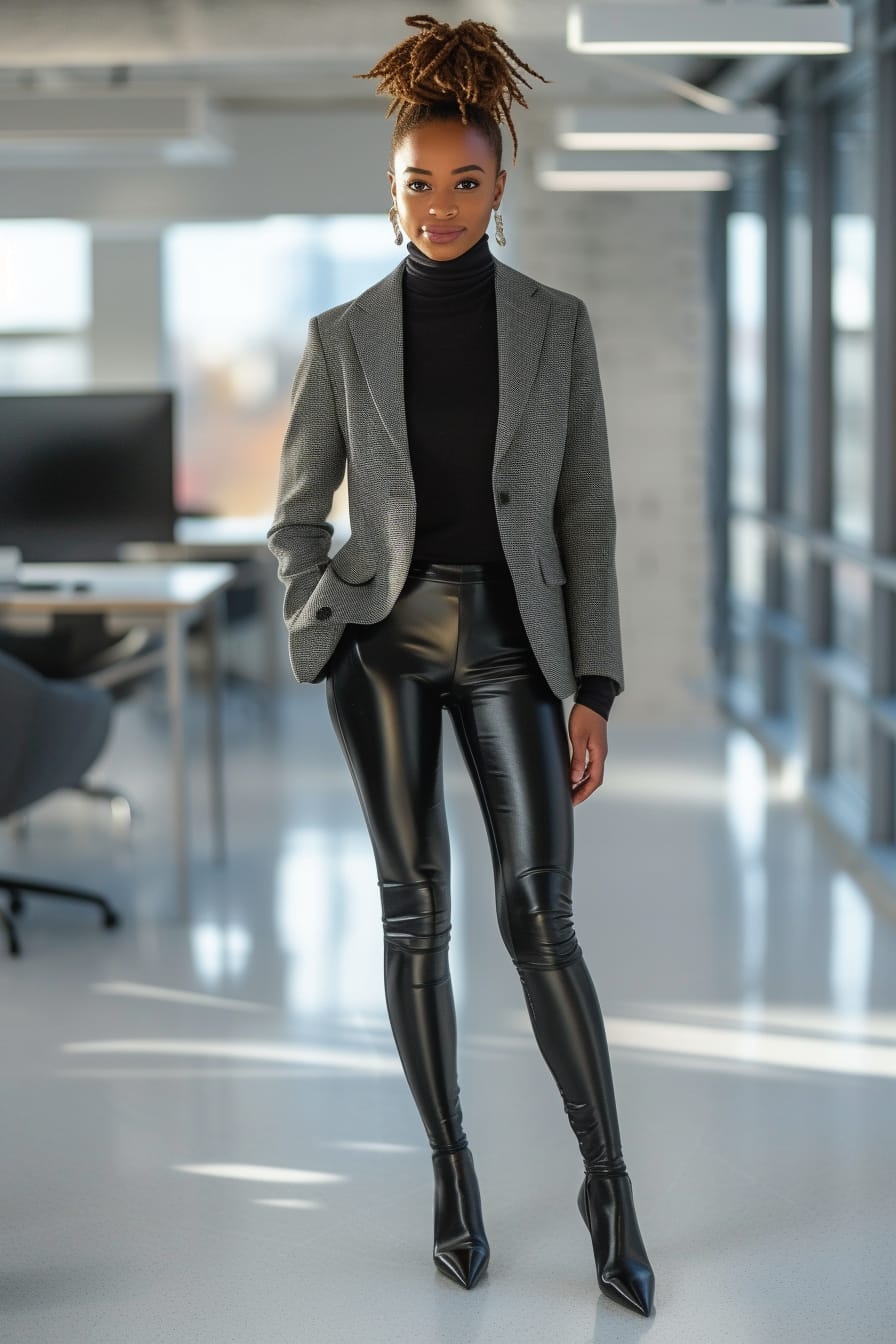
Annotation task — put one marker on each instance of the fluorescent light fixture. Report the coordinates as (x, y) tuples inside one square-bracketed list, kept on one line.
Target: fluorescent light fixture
[(586, 170), (732, 30), (673, 128)]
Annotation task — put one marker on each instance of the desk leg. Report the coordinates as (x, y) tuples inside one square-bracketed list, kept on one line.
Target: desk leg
[(216, 772), (176, 675)]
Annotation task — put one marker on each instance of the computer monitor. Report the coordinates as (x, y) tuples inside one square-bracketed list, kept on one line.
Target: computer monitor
[(80, 473)]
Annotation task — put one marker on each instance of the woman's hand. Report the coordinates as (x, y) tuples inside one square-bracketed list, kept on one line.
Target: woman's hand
[(587, 733)]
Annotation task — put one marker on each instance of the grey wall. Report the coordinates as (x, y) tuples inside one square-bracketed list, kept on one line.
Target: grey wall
[(637, 260), (126, 335)]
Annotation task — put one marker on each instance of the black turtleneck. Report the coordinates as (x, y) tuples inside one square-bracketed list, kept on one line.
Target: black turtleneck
[(451, 408)]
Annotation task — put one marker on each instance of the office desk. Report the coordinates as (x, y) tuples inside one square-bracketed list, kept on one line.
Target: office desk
[(229, 538), (168, 595)]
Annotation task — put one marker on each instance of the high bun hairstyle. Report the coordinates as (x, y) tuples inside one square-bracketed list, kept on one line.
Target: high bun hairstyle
[(464, 73)]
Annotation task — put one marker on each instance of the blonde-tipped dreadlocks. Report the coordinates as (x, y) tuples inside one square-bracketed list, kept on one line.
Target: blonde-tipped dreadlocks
[(468, 65)]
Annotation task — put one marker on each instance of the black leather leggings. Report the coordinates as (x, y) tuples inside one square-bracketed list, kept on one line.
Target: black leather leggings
[(454, 639)]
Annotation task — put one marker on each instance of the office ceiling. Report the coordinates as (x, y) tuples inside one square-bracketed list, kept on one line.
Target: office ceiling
[(292, 53)]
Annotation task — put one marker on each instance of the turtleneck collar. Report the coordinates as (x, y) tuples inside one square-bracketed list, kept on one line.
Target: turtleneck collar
[(423, 274)]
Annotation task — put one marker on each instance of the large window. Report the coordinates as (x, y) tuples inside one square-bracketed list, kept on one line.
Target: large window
[(797, 315), (45, 307), (236, 300), (745, 241), (852, 317), (852, 446), (746, 346), (811, 598)]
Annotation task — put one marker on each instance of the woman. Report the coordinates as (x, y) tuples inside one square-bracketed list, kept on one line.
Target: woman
[(464, 399)]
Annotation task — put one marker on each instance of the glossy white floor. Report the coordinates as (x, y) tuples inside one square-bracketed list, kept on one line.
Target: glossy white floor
[(206, 1135)]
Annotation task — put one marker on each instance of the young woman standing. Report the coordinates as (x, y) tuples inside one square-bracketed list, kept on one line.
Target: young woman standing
[(464, 399)]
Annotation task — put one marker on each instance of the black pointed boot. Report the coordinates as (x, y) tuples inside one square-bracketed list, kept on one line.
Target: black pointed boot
[(460, 1248), (569, 1029), (420, 1000), (624, 1273)]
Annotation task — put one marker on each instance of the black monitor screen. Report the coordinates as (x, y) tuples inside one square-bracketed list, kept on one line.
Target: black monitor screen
[(81, 473)]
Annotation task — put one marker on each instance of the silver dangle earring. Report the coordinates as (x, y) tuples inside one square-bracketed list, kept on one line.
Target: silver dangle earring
[(393, 215), (499, 230)]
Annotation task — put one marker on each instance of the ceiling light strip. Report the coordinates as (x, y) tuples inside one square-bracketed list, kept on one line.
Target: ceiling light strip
[(724, 30)]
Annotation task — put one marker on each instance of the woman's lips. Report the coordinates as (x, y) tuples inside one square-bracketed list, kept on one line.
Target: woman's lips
[(442, 235)]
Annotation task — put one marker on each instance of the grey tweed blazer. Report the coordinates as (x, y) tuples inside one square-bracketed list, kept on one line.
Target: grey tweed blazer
[(551, 478)]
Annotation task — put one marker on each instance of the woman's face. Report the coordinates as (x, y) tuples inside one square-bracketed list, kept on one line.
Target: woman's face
[(445, 186)]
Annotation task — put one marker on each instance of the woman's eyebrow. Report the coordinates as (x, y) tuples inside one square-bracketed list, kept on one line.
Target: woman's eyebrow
[(465, 169)]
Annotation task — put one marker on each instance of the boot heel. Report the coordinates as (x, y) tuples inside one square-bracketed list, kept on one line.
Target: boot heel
[(460, 1247), (624, 1273)]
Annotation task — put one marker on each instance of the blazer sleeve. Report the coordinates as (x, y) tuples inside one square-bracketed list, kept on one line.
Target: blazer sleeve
[(585, 519), (312, 465)]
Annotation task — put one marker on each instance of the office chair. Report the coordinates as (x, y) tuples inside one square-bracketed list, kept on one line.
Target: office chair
[(52, 733), (79, 647)]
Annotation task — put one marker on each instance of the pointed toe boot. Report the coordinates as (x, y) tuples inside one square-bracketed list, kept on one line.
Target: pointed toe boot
[(624, 1273), (460, 1247)]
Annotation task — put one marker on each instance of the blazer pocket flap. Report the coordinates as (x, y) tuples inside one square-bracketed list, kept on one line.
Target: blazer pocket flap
[(352, 565), (552, 570)]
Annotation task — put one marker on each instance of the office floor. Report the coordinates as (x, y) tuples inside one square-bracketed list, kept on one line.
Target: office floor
[(207, 1137)]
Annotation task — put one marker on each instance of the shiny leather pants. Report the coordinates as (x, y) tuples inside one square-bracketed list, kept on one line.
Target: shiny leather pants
[(454, 639)]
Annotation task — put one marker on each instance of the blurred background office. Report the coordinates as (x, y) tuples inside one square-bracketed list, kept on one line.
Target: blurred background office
[(207, 1130)]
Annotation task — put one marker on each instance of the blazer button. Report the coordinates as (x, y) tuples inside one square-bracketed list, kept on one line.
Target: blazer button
[(323, 612), (504, 497)]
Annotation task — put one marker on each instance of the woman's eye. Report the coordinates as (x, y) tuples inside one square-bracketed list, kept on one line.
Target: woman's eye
[(418, 182)]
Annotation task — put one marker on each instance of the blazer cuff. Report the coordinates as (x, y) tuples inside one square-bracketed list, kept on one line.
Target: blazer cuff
[(597, 693)]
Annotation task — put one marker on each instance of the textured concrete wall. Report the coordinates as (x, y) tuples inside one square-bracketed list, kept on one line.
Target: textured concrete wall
[(638, 261)]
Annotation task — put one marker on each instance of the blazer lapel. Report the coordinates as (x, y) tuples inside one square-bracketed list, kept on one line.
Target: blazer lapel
[(375, 321), (522, 311)]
